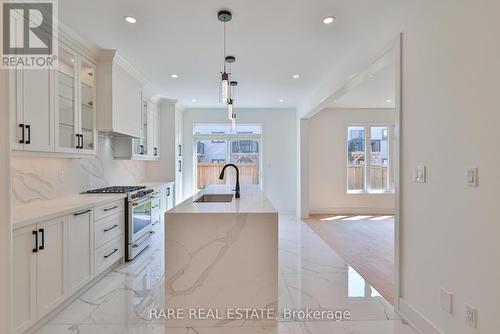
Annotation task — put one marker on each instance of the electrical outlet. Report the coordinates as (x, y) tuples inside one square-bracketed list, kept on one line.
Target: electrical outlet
[(446, 300), (471, 178), (60, 176), (419, 174), (470, 316)]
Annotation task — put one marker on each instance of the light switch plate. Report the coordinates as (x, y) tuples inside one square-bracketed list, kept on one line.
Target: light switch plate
[(446, 300), (419, 174), (471, 177), (470, 316)]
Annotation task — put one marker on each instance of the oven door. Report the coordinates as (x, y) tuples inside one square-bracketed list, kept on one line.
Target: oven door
[(139, 219)]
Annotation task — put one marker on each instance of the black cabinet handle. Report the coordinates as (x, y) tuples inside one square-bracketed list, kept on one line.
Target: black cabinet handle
[(81, 143), (113, 252), (28, 127), (77, 141), (42, 231), (35, 249), (180, 166), (109, 209), (142, 149), (21, 141), (168, 191), (82, 213), (180, 150), (156, 151), (109, 229)]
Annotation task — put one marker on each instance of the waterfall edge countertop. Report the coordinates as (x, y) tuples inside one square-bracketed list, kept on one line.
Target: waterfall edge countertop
[(253, 200)]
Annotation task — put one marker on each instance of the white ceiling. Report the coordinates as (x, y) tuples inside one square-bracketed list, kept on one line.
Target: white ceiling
[(272, 40), (374, 92)]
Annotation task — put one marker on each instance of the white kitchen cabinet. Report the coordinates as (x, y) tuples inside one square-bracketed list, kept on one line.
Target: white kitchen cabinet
[(178, 155), (80, 249), (147, 147), (24, 311), (38, 264), (75, 114), (119, 110), (50, 262), (32, 110)]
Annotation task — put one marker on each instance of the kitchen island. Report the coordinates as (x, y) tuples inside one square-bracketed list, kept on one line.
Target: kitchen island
[(222, 260)]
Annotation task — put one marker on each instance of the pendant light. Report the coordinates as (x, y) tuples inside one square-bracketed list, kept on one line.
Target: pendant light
[(224, 16), (230, 103)]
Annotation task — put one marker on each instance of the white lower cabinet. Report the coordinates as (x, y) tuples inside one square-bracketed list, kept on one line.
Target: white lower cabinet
[(38, 264), (50, 265), (24, 313), (80, 249), (54, 259)]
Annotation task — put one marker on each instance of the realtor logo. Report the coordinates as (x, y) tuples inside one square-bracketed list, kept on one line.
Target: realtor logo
[(29, 34)]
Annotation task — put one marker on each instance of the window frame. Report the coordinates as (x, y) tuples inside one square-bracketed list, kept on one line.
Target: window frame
[(389, 188), (228, 137)]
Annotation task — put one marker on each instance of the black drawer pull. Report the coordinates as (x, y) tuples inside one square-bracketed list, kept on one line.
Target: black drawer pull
[(113, 252), (21, 141), (109, 229), (109, 209), (155, 223), (154, 206), (168, 191), (28, 127), (82, 213), (35, 249), (42, 247)]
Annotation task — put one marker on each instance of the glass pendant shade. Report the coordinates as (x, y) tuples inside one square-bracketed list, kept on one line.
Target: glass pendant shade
[(230, 109), (224, 93)]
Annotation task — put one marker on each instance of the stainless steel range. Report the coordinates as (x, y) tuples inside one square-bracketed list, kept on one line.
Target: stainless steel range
[(138, 224)]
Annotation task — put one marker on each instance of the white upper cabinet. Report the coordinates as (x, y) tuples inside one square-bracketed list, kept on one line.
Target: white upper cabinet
[(32, 110), (119, 95), (147, 147), (75, 107)]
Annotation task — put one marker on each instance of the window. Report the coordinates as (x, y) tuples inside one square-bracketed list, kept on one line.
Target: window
[(217, 145), (373, 142)]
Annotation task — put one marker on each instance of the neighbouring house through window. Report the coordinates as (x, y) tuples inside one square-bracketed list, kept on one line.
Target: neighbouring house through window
[(369, 158), (217, 145)]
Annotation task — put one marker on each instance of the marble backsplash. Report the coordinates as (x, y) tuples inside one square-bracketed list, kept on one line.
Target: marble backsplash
[(35, 179)]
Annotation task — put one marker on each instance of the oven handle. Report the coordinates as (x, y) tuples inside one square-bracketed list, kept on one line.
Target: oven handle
[(140, 202), (143, 241)]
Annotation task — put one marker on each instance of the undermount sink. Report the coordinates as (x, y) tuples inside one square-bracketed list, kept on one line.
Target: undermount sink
[(215, 198)]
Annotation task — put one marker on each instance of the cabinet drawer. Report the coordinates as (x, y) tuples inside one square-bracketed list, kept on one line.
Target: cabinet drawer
[(108, 254), (108, 229), (109, 209)]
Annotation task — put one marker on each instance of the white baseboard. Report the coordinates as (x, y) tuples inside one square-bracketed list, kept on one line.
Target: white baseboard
[(416, 319), (352, 211)]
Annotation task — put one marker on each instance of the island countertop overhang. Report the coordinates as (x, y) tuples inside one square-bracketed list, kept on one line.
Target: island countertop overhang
[(252, 200)]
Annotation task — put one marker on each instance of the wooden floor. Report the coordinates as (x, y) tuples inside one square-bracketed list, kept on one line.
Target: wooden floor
[(366, 244)]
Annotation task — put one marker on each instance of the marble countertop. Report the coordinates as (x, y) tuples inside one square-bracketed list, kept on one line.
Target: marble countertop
[(253, 200), (31, 213)]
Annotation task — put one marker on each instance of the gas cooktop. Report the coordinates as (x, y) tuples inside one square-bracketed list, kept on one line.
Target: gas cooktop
[(115, 190)]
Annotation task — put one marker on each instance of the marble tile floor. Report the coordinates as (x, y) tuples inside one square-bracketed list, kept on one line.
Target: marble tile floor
[(311, 276)]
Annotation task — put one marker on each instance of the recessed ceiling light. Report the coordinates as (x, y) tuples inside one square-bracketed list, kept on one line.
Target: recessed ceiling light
[(388, 100), (282, 100), (130, 19), (329, 19), (174, 76), (296, 76), (193, 100)]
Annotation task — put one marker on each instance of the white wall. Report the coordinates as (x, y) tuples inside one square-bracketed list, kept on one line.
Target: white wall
[(37, 178), (327, 163), (279, 150), (450, 233)]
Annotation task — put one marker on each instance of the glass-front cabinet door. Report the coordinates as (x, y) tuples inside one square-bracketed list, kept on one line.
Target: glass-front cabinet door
[(66, 102), (141, 145), (75, 106), (87, 105)]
